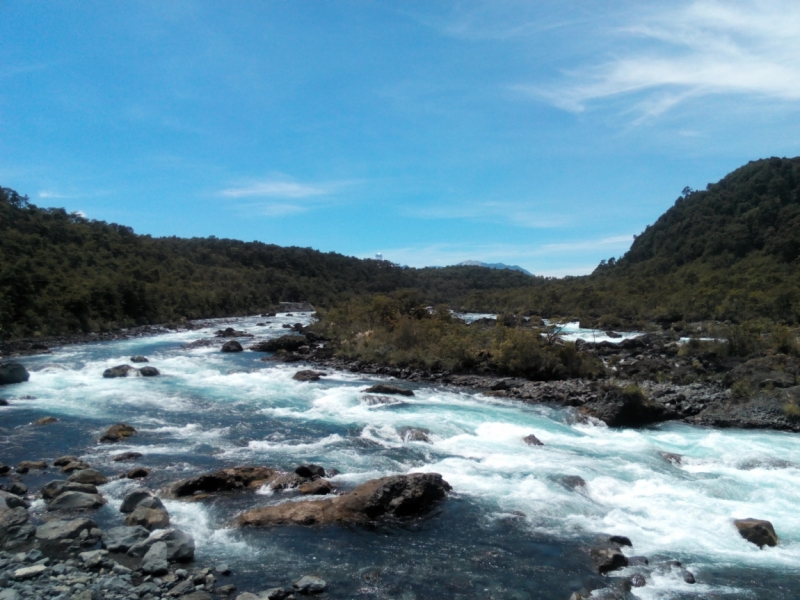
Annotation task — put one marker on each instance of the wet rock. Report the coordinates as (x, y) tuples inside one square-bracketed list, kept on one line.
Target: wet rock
[(180, 545), (154, 561), (287, 343), (231, 332), (225, 480), (688, 576), (638, 561), (307, 375), (26, 465), (383, 388), (140, 496), (120, 539), (126, 456), (398, 496), (232, 346), (310, 584), (117, 432), (4, 469), (149, 372), (149, 518), (92, 476), (532, 440), (138, 473), (53, 489), (76, 501), (626, 408), (45, 421), (3, 402), (310, 471), (64, 460), (373, 400), (620, 540), (573, 481), (671, 457), (13, 373), (286, 481), (318, 487), (414, 434), (77, 465), (275, 594), (222, 569), (638, 580), (9, 500), (120, 371), (757, 531), (64, 530), (607, 557), (139, 359), (200, 344)]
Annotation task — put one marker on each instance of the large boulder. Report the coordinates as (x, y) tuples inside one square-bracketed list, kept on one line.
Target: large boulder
[(397, 496), (149, 372), (777, 371), (139, 359), (9, 500), (232, 346), (626, 407), (180, 545), (55, 531), (76, 501), (118, 432), (90, 476), (224, 480), (120, 371), (15, 526), (608, 557), (307, 375), (149, 518), (288, 343), (757, 531), (154, 561), (140, 496), (13, 373), (384, 388), (121, 539)]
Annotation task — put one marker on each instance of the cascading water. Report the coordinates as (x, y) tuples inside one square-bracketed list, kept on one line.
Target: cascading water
[(512, 527)]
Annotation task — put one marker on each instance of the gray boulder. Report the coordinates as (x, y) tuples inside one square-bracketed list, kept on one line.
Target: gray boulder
[(149, 518), (57, 487), (180, 545), (154, 561), (15, 526), (64, 530), (76, 501), (13, 373), (232, 346), (608, 557), (120, 539), (121, 371), (139, 496), (310, 584), (90, 476), (9, 500)]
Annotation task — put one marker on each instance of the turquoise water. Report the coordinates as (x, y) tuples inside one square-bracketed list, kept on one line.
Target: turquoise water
[(511, 528)]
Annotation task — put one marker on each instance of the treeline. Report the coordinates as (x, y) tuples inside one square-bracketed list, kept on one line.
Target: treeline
[(60, 272), (728, 253)]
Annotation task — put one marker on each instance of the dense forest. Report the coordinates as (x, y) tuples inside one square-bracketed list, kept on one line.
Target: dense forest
[(60, 272), (730, 252)]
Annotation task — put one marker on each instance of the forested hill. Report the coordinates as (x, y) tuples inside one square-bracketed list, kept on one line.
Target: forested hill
[(729, 252), (60, 272)]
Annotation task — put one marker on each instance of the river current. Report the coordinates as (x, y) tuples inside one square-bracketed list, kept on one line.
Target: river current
[(511, 527)]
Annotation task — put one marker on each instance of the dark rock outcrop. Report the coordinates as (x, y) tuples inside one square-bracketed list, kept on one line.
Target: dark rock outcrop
[(149, 372), (224, 480), (307, 375), (532, 440), (757, 531), (91, 476), (777, 371), (311, 470), (232, 346), (120, 371), (287, 343), (13, 373), (139, 359), (608, 557), (626, 408), (383, 388), (118, 432), (398, 496)]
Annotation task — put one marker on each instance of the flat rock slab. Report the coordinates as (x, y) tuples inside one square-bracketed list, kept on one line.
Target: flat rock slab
[(30, 572), (383, 388), (225, 480), (76, 501), (60, 530)]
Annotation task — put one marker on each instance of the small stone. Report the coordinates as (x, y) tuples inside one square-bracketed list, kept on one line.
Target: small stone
[(184, 587), (62, 461), (30, 572), (532, 440), (310, 584)]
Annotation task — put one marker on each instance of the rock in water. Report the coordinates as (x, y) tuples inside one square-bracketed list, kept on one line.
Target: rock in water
[(180, 545), (120, 371), (383, 388), (757, 531), (397, 496), (608, 557), (139, 497), (126, 456), (26, 465), (45, 421), (414, 434), (120, 539), (91, 476), (139, 359), (75, 501), (532, 440), (232, 346), (310, 584), (225, 480), (13, 373), (289, 343), (117, 432), (310, 471), (318, 487), (149, 518), (626, 408), (307, 375), (137, 473), (155, 561), (149, 372)]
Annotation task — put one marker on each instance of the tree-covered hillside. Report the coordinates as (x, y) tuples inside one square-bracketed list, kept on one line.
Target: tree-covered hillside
[(730, 252), (60, 272)]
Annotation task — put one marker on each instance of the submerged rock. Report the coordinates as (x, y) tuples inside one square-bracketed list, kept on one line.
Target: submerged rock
[(13, 373), (414, 434), (126, 456), (225, 480), (45, 421), (573, 481), (118, 432), (398, 496), (139, 359), (608, 557), (757, 531), (383, 388), (532, 440)]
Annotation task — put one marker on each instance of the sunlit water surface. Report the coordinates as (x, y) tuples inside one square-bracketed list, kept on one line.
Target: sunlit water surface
[(210, 410)]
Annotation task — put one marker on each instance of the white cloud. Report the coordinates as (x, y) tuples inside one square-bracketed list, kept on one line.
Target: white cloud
[(512, 213), (277, 189), (700, 48), (44, 194), (279, 196)]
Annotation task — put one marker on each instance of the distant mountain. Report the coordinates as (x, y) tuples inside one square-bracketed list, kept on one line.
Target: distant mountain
[(477, 263)]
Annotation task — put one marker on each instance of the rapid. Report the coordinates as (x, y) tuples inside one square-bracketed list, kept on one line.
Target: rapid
[(511, 528)]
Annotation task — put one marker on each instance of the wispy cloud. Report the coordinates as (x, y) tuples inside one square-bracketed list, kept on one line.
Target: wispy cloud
[(46, 194), (276, 189), (512, 213), (697, 49), (282, 196)]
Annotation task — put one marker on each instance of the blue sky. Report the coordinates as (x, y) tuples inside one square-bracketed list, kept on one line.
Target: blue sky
[(543, 134)]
